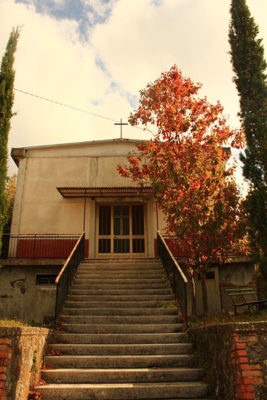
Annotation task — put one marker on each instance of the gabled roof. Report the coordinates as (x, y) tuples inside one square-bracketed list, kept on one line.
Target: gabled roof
[(20, 152)]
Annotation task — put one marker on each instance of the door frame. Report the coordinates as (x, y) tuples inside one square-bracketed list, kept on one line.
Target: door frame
[(111, 236)]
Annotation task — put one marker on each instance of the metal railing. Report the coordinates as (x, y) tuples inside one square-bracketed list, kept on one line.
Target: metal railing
[(176, 276), (66, 275), (37, 245)]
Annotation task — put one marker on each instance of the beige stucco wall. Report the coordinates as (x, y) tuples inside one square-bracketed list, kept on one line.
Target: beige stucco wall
[(40, 208)]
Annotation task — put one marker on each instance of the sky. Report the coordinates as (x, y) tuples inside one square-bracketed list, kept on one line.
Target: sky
[(96, 55)]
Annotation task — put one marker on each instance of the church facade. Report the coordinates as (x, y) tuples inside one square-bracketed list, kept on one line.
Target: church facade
[(70, 188)]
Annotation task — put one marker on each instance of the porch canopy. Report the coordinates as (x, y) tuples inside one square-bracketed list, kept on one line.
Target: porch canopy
[(104, 191)]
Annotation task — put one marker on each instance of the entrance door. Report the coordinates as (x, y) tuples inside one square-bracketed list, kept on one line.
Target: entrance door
[(121, 230)]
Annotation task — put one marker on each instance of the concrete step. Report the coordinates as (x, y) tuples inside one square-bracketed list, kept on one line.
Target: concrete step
[(107, 278), (129, 361), (134, 338), (123, 265), (114, 319), (122, 262), (119, 349), (119, 337), (87, 285), (112, 391), (132, 272), (119, 274), (109, 275), (121, 298), (121, 292), (118, 311), (119, 328), (120, 278), (120, 376), (119, 268), (129, 271), (157, 304)]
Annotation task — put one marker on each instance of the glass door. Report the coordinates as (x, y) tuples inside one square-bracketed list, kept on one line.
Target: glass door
[(138, 229), (104, 230), (121, 230)]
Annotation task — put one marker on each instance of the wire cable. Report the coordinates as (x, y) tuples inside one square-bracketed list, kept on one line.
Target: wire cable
[(65, 105), (78, 109)]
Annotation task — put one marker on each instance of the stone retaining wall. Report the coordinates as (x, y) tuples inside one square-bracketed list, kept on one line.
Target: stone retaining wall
[(21, 353), (234, 357)]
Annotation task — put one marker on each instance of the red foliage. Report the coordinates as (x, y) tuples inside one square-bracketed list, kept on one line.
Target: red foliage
[(185, 164)]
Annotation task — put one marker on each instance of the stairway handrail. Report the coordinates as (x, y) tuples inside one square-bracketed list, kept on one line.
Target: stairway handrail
[(175, 274), (173, 259), (68, 259), (67, 273)]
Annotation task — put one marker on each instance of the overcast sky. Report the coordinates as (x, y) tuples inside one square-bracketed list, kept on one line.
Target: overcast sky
[(97, 54)]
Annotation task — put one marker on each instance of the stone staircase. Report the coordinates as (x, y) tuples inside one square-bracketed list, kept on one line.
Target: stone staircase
[(119, 337)]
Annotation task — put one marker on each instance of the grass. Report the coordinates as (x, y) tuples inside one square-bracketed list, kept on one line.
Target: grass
[(12, 323)]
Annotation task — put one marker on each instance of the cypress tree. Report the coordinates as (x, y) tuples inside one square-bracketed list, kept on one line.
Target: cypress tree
[(7, 76), (249, 66)]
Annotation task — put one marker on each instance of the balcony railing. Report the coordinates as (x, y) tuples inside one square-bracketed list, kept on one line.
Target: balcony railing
[(37, 246), (67, 273), (175, 275)]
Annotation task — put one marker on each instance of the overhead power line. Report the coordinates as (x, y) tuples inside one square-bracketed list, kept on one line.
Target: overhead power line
[(65, 105), (77, 109)]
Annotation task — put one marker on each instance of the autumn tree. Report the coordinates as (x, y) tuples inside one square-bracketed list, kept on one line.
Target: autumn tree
[(7, 76), (185, 165), (10, 192), (250, 78)]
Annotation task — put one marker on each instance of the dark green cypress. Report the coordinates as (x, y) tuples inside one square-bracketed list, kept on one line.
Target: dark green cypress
[(7, 76), (250, 78)]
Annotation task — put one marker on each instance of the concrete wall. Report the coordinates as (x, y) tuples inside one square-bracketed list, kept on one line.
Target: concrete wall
[(22, 299), (21, 354), (213, 293), (230, 275), (233, 275)]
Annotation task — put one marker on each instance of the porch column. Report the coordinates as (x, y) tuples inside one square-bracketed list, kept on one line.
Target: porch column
[(152, 226), (92, 228)]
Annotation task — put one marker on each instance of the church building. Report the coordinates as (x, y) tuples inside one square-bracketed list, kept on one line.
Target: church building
[(70, 188), (64, 190)]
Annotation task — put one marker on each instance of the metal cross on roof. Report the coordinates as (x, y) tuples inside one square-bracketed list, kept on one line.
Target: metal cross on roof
[(120, 124)]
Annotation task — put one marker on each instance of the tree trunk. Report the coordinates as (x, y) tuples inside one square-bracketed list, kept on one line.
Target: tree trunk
[(194, 303), (204, 293)]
